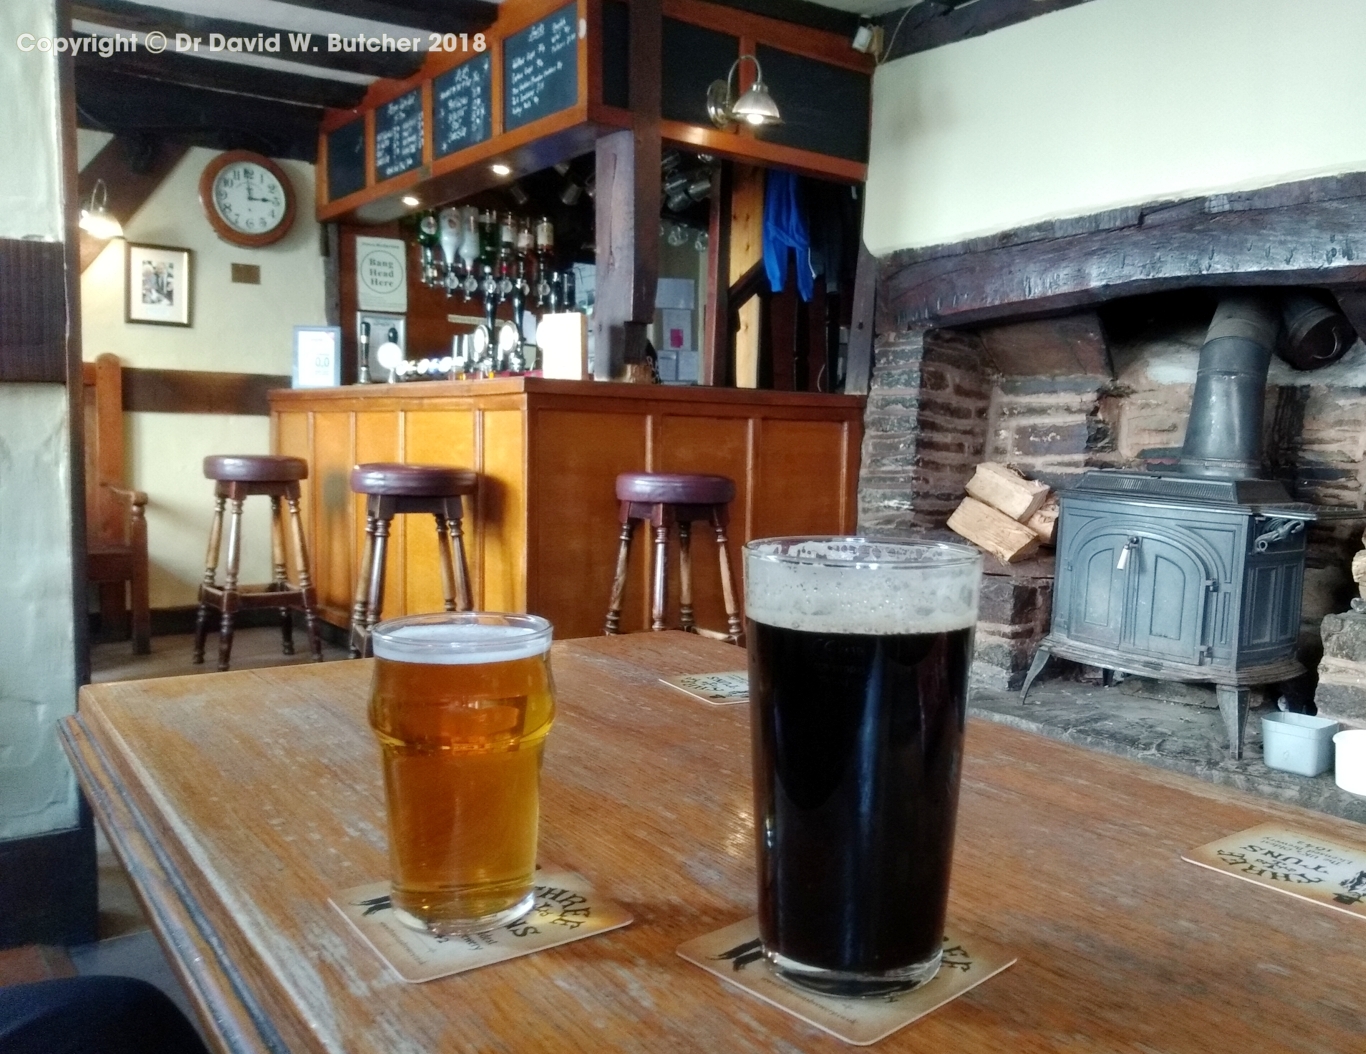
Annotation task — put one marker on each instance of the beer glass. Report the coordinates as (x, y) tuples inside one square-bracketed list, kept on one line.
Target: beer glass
[(858, 663), (461, 703)]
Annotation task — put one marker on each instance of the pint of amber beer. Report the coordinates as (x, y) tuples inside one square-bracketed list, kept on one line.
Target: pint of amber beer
[(462, 703)]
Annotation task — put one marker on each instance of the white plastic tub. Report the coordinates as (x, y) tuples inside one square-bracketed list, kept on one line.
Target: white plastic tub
[(1298, 743), (1350, 770)]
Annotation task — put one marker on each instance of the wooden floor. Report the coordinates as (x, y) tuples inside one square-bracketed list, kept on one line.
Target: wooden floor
[(252, 649)]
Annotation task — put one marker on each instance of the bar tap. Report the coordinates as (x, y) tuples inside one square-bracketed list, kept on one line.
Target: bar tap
[(545, 262), (363, 358), (488, 262)]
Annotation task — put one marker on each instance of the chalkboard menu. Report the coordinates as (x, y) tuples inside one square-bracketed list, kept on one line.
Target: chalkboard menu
[(346, 160), (541, 68), (462, 114), (398, 136)]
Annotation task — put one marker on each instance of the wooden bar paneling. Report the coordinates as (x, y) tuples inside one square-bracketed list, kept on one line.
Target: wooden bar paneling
[(542, 532)]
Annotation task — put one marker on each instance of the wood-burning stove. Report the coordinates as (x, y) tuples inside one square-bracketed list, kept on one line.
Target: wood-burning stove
[(1195, 574)]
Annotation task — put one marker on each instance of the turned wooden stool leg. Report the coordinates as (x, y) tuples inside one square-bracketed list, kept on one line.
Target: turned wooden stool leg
[(628, 527), (375, 602), (310, 600), (443, 549), (201, 622), (659, 597), (225, 627), (464, 601), (733, 625), (685, 576), (359, 606), (280, 571)]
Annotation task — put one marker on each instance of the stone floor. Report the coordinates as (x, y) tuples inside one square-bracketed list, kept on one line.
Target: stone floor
[(1172, 726)]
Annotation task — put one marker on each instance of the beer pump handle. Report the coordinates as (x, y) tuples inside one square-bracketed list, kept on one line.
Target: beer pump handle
[(363, 363)]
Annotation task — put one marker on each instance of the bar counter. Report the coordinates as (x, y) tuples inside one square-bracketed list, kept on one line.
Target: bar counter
[(542, 533)]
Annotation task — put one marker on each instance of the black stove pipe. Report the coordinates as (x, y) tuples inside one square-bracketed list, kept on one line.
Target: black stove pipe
[(1224, 432)]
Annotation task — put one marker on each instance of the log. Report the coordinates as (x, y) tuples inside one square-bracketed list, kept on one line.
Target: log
[(1005, 489), (994, 531), (1044, 523)]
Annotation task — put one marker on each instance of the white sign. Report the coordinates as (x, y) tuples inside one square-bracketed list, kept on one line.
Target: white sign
[(381, 274), (317, 356)]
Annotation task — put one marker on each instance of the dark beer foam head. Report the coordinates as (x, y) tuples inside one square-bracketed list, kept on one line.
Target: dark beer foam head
[(461, 638), (861, 585)]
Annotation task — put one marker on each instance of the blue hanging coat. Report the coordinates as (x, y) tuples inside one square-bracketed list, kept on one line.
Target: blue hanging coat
[(785, 227)]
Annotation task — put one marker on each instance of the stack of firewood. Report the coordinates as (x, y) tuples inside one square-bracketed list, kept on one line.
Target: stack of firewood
[(1005, 514)]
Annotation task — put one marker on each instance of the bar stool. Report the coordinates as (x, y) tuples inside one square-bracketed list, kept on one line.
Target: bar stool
[(237, 477), (394, 490), (666, 499)]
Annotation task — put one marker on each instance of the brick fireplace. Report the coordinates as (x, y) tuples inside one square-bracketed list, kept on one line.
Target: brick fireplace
[(1074, 345)]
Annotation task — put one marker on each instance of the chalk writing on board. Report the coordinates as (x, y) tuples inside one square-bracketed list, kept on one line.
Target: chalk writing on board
[(398, 135), (542, 68), (463, 115)]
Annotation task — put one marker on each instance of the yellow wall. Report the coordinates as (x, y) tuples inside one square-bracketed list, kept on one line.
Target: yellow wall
[(1112, 102), (236, 328)]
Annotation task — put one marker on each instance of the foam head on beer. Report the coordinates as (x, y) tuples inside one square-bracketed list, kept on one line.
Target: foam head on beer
[(446, 643), (804, 584)]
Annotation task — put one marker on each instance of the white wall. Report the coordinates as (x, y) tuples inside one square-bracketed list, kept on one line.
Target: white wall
[(1112, 102), (235, 328), (37, 646)]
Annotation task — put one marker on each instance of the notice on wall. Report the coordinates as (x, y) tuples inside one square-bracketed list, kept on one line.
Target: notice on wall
[(381, 274)]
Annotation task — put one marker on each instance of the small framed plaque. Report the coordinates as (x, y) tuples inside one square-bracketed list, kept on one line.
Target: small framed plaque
[(317, 356)]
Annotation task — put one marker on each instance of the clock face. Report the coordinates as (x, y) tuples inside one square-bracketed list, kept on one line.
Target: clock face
[(249, 198)]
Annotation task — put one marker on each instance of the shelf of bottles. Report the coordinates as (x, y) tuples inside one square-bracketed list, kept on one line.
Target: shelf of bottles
[(490, 258)]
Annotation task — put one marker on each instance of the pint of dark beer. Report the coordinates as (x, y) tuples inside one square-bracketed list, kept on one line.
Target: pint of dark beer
[(858, 664), (461, 703)]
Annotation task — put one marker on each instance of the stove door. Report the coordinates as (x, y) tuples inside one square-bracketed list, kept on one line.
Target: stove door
[(1169, 588), (1099, 572)]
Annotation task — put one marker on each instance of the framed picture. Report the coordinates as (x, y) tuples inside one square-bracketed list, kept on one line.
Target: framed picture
[(317, 356), (158, 285)]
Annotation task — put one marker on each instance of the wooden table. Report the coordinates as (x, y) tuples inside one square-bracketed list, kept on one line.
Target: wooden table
[(239, 801)]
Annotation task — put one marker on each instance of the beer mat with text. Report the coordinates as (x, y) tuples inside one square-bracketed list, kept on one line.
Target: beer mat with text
[(567, 909), (714, 689), (1295, 862), (733, 955)]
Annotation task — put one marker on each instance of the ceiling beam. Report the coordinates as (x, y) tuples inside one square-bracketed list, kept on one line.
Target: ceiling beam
[(441, 16), (125, 16), (934, 23), (131, 168), (122, 103), (227, 76)]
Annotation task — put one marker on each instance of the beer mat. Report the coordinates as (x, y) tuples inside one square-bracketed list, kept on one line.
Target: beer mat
[(733, 955), (714, 689), (567, 909), (1290, 861)]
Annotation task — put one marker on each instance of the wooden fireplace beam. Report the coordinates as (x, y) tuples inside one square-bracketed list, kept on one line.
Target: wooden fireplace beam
[(1287, 235)]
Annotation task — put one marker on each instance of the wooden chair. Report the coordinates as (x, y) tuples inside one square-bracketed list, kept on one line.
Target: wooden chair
[(116, 526)]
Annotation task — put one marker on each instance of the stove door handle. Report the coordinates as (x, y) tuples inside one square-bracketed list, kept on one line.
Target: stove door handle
[(1124, 553)]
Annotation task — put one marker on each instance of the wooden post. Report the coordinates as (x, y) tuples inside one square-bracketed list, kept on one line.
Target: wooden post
[(627, 200), (716, 343)]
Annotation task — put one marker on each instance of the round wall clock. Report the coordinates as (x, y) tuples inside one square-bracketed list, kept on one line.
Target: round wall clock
[(247, 197)]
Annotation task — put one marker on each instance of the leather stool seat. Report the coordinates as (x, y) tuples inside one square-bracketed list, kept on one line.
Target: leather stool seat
[(416, 481), (255, 468), (674, 488)]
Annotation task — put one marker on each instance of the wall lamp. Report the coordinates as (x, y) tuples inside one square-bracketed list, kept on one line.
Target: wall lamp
[(96, 219), (755, 106)]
